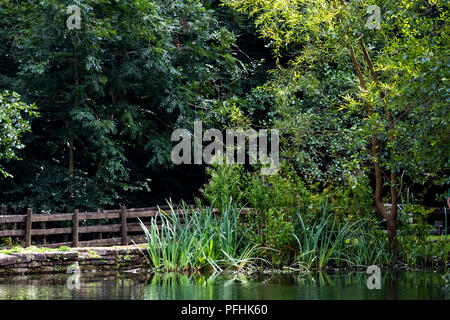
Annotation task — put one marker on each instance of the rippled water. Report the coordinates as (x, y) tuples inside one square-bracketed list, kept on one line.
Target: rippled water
[(397, 285)]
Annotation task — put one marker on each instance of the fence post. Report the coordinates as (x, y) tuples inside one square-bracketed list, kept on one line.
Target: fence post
[(28, 226), (123, 220), (75, 228)]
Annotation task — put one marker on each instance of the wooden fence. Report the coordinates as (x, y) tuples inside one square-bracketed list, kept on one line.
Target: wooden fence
[(124, 228)]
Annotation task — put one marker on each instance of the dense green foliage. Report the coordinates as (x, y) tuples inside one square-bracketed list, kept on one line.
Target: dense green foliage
[(309, 228), (371, 100), (110, 94), (320, 105), (13, 122), (363, 116)]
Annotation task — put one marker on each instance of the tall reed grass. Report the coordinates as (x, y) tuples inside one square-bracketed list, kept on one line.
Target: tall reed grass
[(188, 239), (327, 241)]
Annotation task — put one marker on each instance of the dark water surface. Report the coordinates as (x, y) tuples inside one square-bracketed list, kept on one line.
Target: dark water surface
[(394, 285)]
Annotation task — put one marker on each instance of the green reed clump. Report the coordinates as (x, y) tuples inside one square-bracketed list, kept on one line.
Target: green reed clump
[(368, 245), (189, 239), (198, 239), (328, 241)]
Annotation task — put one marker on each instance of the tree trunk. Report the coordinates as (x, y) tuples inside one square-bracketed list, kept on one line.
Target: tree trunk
[(392, 219), (373, 142), (392, 233)]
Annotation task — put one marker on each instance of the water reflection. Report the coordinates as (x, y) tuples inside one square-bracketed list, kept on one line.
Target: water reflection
[(394, 285)]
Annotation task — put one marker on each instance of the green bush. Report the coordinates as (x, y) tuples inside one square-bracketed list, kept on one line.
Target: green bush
[(282, 190), (278, 236), (414, 248), (352, 200), (226, 182)]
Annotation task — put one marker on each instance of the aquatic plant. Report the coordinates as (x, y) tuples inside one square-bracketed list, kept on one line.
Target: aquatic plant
[(194, 239), (323, 241)]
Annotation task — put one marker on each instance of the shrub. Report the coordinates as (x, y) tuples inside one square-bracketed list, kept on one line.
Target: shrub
[(350, 200), (226, 181), (278, 236)]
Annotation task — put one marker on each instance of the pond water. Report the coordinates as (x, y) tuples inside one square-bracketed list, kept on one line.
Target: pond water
[(277, 286)]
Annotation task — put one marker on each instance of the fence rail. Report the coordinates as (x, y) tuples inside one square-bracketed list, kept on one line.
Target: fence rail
[(124, 227)]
